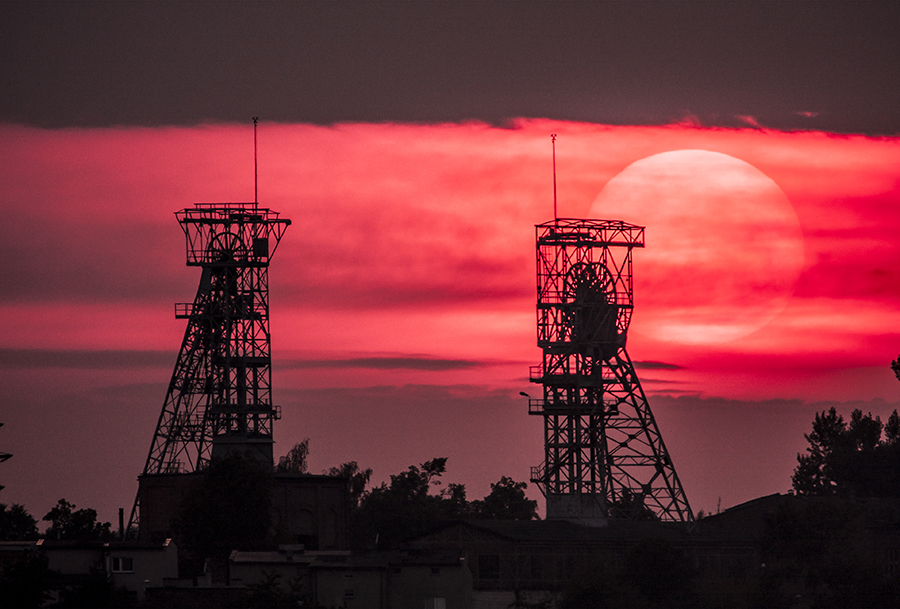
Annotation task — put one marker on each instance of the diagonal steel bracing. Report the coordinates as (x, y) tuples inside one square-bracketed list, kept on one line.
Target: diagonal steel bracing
[(603, 454), (219, 399)]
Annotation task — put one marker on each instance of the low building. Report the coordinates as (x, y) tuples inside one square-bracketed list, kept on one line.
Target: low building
[(129, 566), (371, 580), (532, 562), (137, 565), (308, 509), (805, 540)]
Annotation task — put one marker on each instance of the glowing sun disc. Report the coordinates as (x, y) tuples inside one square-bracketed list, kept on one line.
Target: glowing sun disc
[(723, 249)]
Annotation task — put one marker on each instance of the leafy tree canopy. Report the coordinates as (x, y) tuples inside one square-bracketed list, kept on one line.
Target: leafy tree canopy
[(389, 513), (506, 501), (357, 478), (406, 507), (26, 581), (295, 462), (16, 524), (860, 458), (68, 523), (227, 508), (270, 593)]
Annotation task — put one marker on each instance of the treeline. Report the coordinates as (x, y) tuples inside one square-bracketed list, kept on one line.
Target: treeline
[(230, 505), (821, 545), (406, 507), (859, 458), (66, 522), (414, 500), (28, 580)]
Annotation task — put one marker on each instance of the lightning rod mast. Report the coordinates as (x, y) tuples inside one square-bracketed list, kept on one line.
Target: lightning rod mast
[(219, 399), (604, 457)]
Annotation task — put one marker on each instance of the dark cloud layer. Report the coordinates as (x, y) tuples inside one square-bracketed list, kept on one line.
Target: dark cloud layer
[(82, 431), (650, 365), (83, 359), (383, 363), (788, 65)]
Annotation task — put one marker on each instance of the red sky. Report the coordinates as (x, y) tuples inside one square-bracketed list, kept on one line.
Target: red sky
[(402, 296)]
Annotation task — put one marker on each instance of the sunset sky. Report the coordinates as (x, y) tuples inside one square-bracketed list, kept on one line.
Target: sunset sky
[(403, 294)]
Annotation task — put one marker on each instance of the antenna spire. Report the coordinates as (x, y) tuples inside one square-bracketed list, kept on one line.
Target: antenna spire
[(553, 142), (255, 174)]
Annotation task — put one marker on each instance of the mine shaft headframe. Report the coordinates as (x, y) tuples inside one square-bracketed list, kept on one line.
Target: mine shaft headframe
[(230, 234), (579, 259)]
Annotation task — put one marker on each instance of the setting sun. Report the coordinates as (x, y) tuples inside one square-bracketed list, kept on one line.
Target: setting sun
[(724, 246), (403, 293)]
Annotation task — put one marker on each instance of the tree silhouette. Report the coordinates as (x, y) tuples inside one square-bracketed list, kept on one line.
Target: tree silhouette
[(68, 523), (861, 458), (357, 479), (391, 513), (295, 462), (27, 581), (506, 501), (16, 524), (227, 508)]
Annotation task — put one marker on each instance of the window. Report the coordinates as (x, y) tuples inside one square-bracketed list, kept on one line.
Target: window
[(437, 602), (123, 565)]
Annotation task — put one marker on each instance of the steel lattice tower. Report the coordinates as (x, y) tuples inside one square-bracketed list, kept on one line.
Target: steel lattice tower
[(603, 453), (220, 397)]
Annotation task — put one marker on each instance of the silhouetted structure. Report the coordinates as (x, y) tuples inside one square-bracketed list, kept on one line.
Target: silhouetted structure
[(603, 453), (308, 509), (219, 400), (531, 563)]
